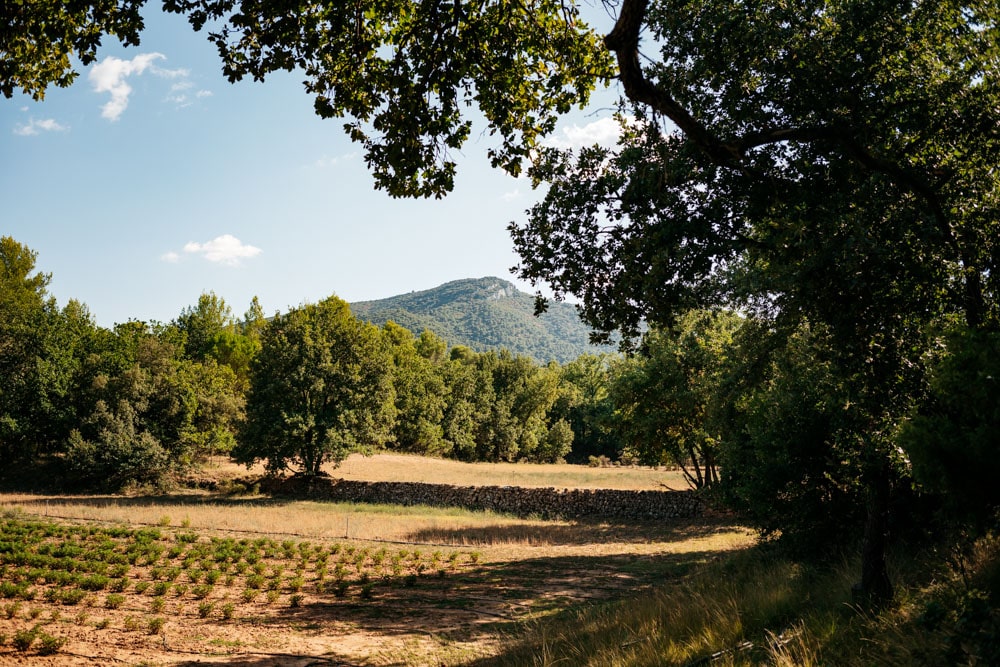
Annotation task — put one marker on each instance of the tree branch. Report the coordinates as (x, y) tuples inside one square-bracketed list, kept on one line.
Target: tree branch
[(623, 40)]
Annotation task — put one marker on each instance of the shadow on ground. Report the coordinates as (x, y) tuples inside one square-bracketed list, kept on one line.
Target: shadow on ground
[(575, 533)]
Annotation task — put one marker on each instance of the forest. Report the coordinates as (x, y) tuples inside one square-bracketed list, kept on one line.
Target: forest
[(760, 417), (142, 402)]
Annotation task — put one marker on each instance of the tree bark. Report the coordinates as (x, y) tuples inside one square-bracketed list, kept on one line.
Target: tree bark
[(875, 588)]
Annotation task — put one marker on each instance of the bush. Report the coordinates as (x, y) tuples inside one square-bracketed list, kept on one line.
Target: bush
[(155, 625), (117, 452), (23, 639), (49, 645)]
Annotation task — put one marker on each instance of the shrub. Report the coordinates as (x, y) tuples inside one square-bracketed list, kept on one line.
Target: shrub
[(155, 625), (23, 639), (116, 451), (72, 596), (202, 591), (114, 600), (227, 610), (205, 609), (49, 645)]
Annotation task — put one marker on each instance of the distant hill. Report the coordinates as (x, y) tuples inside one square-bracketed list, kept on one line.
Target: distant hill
[(485, 314)]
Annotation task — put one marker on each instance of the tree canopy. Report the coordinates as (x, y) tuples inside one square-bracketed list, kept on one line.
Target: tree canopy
[(320, 388), (828, 163)]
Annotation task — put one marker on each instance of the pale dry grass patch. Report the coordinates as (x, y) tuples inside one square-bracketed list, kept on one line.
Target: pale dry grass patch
[(414, 468), (498, 536)]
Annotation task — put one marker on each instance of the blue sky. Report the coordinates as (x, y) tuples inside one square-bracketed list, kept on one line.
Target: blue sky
[(153, 179)]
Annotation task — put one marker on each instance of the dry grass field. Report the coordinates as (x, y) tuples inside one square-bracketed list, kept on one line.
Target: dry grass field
[(204, 578), (412, 468)]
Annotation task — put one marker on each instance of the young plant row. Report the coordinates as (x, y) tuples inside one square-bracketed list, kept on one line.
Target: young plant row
[(181, 574)]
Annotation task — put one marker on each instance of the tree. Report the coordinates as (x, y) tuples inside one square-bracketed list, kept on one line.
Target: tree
[(320, 388), (420, 393), (204, 324), (665, 397), (825, 163), (40, 39), (953, 433), (41, 350), (145, 412), (585, 405), (788, 443)]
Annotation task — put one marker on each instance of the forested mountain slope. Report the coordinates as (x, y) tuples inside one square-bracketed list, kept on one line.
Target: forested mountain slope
[(483, 314)]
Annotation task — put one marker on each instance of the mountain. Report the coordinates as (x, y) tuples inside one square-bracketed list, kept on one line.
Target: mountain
[(484, 314)]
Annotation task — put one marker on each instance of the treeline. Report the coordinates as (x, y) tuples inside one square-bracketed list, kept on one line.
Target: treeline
[(768, 417), (141, 401)]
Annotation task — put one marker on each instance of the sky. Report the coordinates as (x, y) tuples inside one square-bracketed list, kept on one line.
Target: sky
[(152, 179)]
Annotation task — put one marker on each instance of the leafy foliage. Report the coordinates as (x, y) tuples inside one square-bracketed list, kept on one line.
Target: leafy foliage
[(666, 397), (404, 72), (789, 454), (420, 391), (952, 437), (320, 388), (40, 39), (584, 404)]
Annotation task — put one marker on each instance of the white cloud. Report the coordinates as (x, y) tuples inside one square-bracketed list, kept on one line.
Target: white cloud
[(111, 76), (604, 132), (203, 93), (225, 249), (171, 257), (512, 195), (34, 126), (328, 161)]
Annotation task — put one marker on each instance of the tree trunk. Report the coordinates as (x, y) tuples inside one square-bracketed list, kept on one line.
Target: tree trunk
[(875, 588)]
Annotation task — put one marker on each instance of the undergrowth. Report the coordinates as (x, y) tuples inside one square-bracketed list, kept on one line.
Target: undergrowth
[(758, 608)]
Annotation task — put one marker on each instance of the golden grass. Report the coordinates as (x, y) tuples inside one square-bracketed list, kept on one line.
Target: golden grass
[(524, 569), (513, 570), (754, 607), (501, 536), (413, 468)]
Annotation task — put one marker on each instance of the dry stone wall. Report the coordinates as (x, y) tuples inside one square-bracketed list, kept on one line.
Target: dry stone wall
[(519, 501)]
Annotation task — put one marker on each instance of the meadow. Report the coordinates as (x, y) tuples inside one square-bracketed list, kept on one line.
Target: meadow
[(242, 579)]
